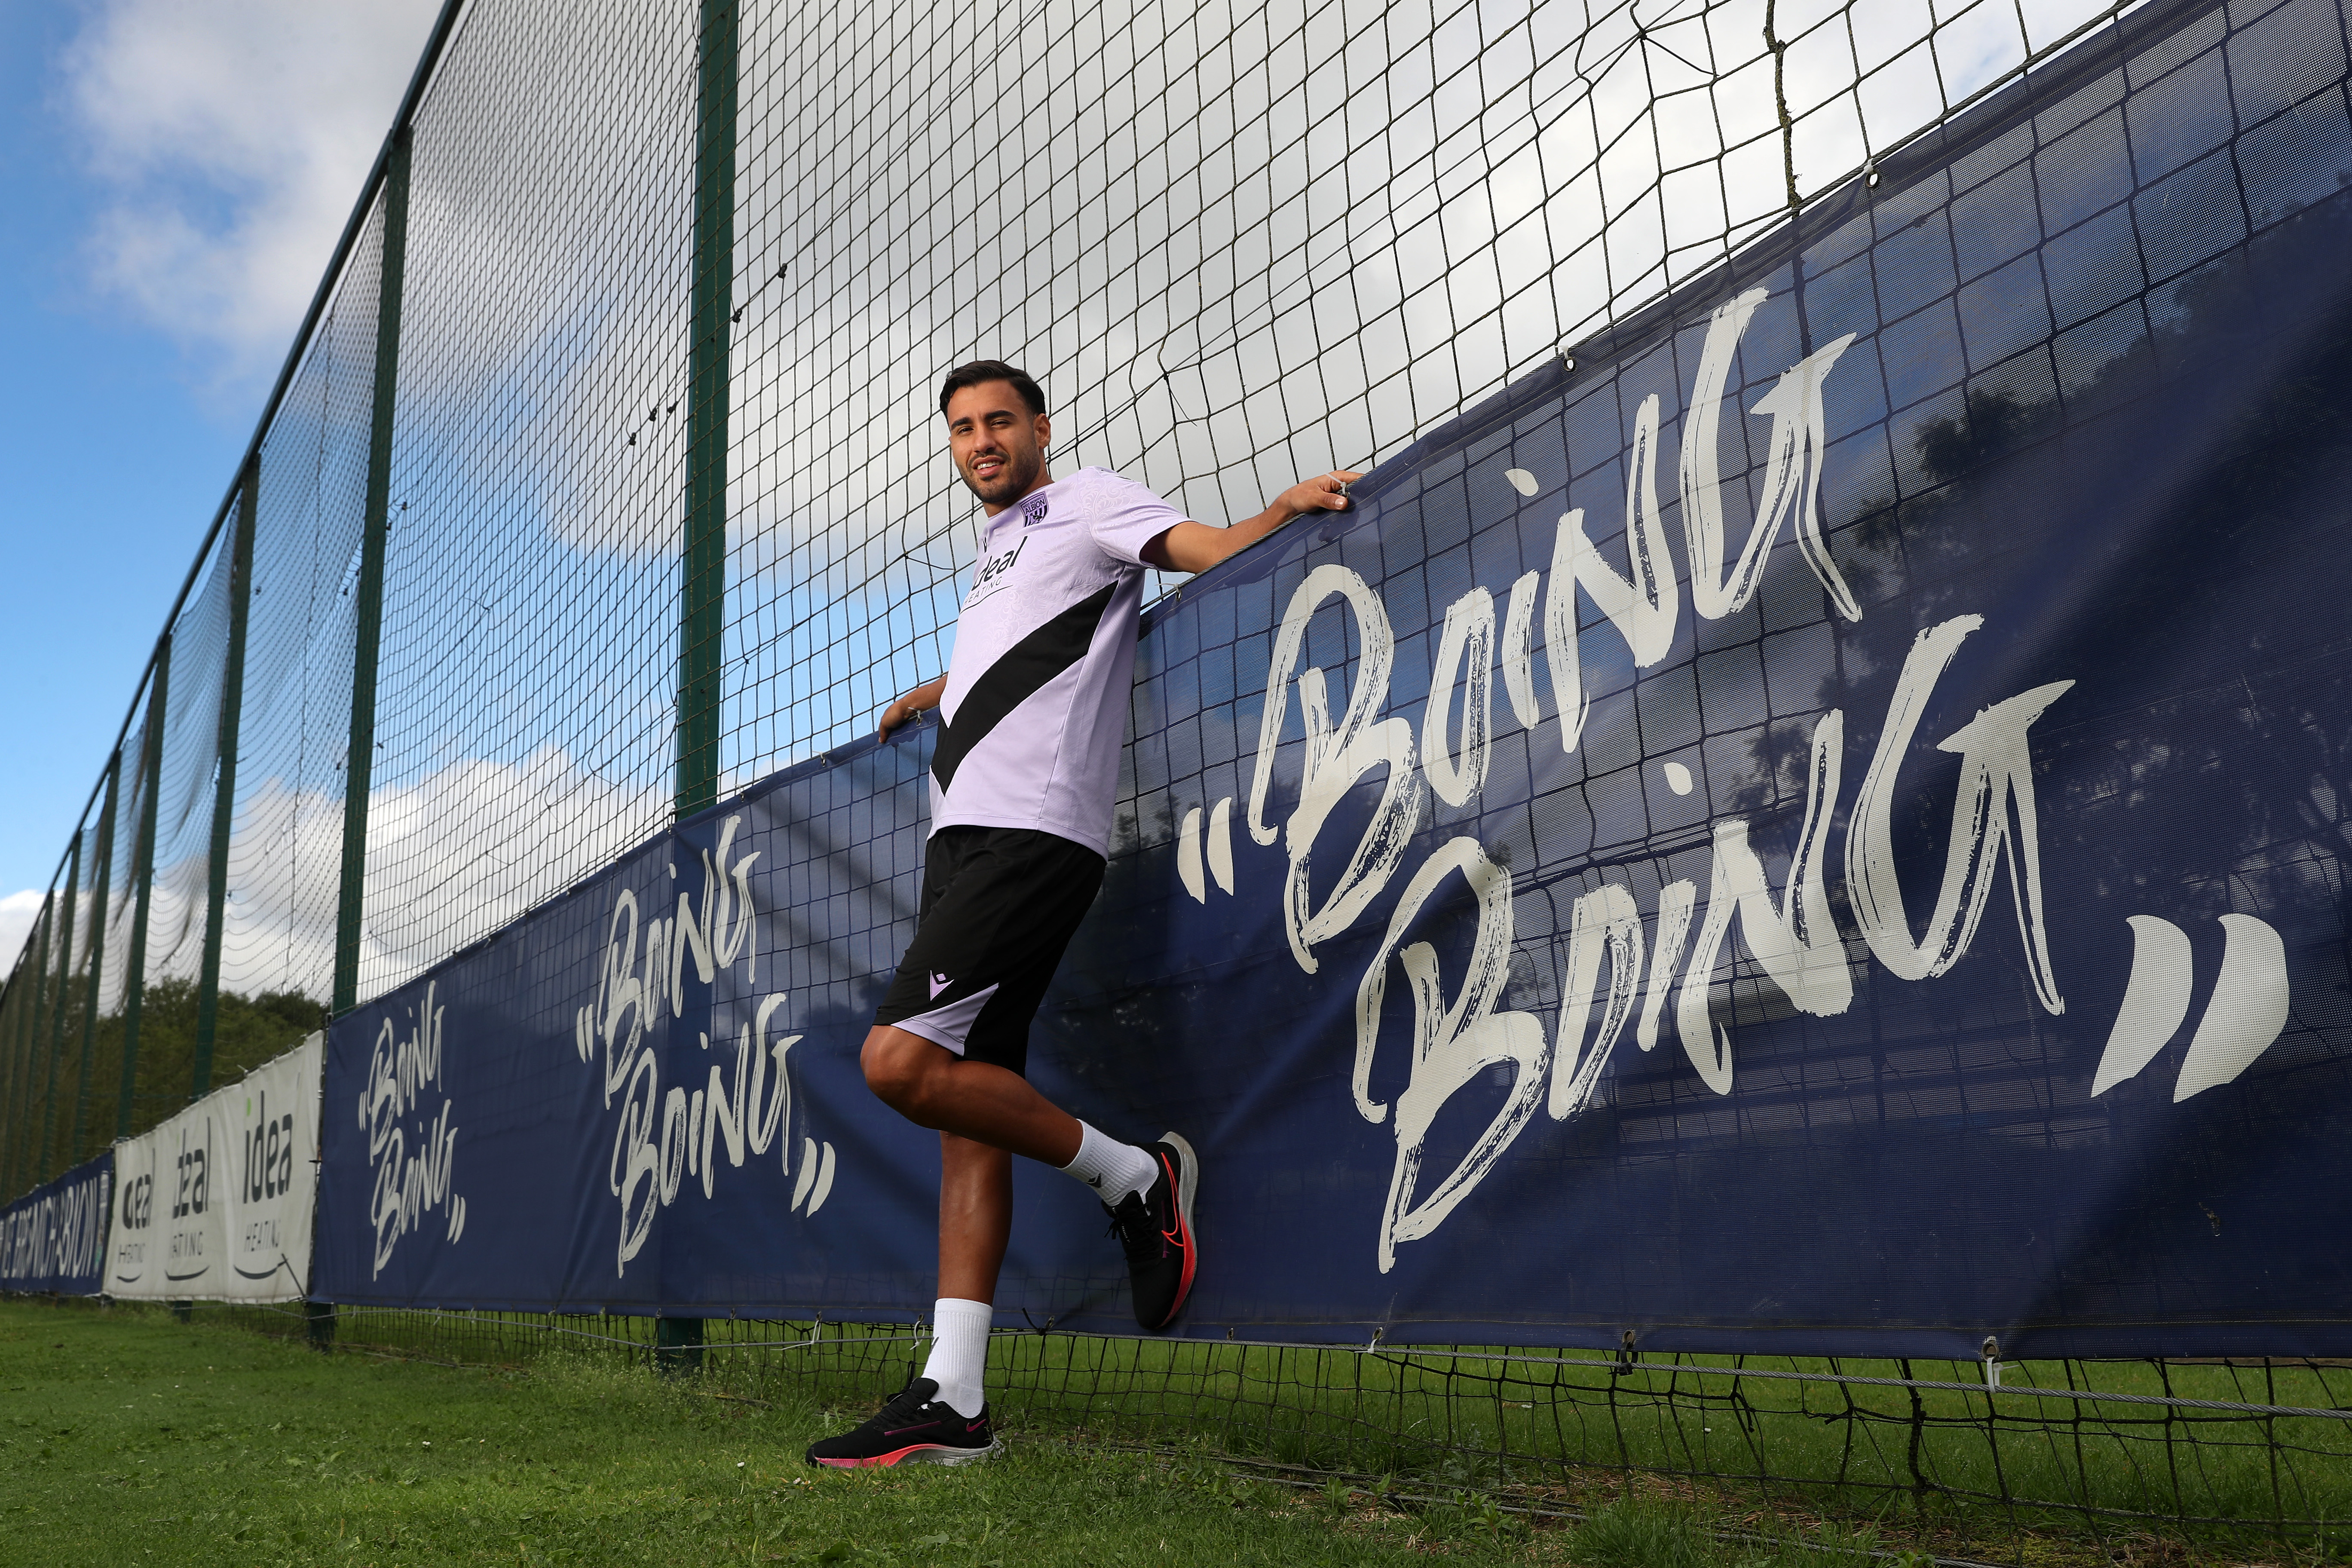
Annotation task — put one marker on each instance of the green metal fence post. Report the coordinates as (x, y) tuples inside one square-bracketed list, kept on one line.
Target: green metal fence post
[(61, 1005), (702, 610), (142, 882), (359, 769), (702, 621), (100, 892), (320, 1324), (25, 990), (232, 708), (18, 1020), (17, 1163), (8, 1077)]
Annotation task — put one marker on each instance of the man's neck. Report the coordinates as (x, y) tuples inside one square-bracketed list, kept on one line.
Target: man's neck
[(1045, 477)]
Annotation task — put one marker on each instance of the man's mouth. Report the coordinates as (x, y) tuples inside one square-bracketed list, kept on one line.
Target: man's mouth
[(985, 469)]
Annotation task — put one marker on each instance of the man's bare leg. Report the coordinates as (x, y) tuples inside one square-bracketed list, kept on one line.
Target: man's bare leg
[(975, 1217), (932, 1087), (984, 1115)]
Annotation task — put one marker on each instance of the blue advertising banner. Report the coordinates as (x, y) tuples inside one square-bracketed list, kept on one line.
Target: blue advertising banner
[(53, 1240), (1817, 823)]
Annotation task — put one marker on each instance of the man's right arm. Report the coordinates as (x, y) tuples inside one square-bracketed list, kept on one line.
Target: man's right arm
[(922, 700)]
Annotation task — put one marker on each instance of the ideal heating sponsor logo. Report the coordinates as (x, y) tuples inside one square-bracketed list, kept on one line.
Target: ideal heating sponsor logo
[(185, 1258), (265, 1157), (994, 574), (134, 1215)]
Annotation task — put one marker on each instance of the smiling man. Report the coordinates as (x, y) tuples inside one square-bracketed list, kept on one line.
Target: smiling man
[(1033, 711)]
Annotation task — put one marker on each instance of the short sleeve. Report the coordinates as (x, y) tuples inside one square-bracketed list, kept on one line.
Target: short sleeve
[(1124, 516)]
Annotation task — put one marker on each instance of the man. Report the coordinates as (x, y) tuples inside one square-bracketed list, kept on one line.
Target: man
[(1033, 708)]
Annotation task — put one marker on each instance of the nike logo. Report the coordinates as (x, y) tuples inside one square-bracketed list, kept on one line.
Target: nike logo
[(939, 984), (975, 1426)]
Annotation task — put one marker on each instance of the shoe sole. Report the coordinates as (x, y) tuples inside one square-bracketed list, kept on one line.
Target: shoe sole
[(1188, 1182), (920, 1454)]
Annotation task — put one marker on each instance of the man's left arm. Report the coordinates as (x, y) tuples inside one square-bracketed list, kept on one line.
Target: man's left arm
[(1195, 546)]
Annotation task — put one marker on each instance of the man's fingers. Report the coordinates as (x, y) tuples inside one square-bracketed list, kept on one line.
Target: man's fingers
[(1326, 492)]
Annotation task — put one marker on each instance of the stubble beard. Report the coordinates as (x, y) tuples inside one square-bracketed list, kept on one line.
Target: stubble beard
[(1012, 481)]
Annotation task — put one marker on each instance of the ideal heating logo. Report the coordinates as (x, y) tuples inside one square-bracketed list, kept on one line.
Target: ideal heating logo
[(133, 1213), (194, 1185), (268, 1154), (993, 572), (192, 1198)]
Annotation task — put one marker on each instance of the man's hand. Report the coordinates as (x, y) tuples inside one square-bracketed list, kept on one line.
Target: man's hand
[(922, 700), (1327, 494), (1196, 547)]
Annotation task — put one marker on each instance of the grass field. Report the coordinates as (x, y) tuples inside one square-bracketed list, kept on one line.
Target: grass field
[(128, 1436)]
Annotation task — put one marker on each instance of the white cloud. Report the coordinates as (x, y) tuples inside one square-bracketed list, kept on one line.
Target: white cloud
[(17, 913), (453, 856), (231, 138)]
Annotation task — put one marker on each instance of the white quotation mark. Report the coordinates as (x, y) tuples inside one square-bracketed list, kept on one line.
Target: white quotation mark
[(1218, 851), (816, 1183), (2244, 1015)]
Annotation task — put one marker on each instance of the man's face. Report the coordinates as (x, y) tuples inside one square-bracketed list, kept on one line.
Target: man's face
[(998, 445)]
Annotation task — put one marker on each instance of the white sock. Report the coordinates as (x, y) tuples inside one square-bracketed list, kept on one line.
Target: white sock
[(960, 1354), (1111, 1168)]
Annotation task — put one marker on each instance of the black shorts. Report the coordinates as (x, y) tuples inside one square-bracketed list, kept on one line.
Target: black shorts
[(999, 906)]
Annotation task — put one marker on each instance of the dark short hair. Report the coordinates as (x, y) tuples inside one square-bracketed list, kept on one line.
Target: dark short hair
[(986, 370)]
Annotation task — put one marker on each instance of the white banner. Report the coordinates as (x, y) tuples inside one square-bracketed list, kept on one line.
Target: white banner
[(215, 1204)]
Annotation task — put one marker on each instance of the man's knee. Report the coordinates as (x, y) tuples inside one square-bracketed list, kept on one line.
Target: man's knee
[(898, 1068)]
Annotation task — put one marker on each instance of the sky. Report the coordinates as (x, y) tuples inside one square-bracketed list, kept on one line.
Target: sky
[(176, 175)]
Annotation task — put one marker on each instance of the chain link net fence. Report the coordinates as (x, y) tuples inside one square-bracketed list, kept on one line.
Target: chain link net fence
[(636, 259), (1236, 244)]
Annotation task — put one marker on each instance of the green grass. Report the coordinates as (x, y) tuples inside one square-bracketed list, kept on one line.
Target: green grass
[(128, 1436)]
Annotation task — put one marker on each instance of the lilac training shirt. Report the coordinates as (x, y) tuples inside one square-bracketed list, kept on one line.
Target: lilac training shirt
[(1035, 705)]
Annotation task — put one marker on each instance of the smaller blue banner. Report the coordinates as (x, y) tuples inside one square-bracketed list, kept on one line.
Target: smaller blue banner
[(54, 1237)]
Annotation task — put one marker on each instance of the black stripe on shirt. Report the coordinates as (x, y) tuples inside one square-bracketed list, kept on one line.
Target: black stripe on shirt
[(1016, 676)]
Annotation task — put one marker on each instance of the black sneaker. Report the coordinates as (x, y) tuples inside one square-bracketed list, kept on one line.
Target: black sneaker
[(912, 1429), (1156, 1228)]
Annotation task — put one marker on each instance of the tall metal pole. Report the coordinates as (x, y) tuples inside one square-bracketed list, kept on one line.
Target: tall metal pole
[(18, 1020), (61, 1005), (232, 708), (142, 882), (702, 609), (702, 618), (24, 993), (359, 770), (9, 1078), (17, 1163), (97, 963)]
